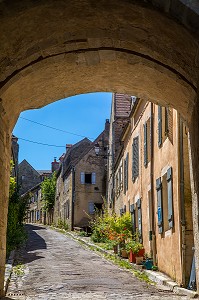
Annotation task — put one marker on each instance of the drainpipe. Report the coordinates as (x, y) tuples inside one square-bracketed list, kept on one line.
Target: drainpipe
[(182, 202), (153, 235), (73, 199)]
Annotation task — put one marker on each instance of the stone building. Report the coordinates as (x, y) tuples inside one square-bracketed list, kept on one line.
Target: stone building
[(28, 177), (81, 182), (34, 212), (152, 182), (120, 110)]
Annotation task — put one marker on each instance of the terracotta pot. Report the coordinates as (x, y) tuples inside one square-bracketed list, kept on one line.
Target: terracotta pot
[(141, 252), (139, 260), (132, 257), (124, 253)]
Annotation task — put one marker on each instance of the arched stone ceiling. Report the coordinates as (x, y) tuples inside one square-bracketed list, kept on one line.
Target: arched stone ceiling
[(50, 50)]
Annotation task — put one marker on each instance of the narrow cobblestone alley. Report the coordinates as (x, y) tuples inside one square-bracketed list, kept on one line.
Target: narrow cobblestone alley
[(53, 266)]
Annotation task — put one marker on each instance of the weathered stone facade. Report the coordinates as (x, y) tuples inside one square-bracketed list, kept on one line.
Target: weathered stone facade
[(143, 48), (28, 177), (81, 182), (152, 181)]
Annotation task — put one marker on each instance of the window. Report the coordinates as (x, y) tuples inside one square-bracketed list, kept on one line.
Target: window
[(91, 208), (164, 189), (88, 178), (165, 124), (147, 142), (133, 217), (22, 177), (139, 219), (126, 163), (135, 158)]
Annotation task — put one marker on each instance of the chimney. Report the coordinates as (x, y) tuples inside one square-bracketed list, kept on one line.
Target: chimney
[(54, 165), (68, 146), (107, 125)]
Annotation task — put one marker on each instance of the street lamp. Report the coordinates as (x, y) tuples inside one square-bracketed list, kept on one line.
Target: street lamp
[(98, 149)]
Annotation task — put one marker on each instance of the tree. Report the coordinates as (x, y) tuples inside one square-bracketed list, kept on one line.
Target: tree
[(48, 188)]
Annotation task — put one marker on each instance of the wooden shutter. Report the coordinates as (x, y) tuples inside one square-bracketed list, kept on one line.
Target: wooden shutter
[(145, 145), (135, 158), (133, 218), (127, 170), (159, 125), (125, 179), (93, 179), (82, 177), (170, 197), (159, 204), (170, 124), (139, 219)]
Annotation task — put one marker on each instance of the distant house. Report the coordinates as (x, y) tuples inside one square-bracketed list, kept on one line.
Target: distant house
[(28, 177), (35, 213), (81, 182)]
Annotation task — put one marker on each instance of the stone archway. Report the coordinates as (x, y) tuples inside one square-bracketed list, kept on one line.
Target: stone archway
[(50, 50)]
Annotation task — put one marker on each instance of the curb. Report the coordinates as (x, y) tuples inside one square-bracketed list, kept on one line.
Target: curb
[(155, 276), (8, 270)]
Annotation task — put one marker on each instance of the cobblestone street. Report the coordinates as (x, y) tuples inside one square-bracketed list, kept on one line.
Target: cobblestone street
[(53, 266)]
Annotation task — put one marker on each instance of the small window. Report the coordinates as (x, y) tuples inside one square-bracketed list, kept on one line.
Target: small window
[(22, 177), (91, 208), (88, 178)]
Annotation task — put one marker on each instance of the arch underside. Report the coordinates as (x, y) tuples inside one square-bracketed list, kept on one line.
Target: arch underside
[(61, 49)]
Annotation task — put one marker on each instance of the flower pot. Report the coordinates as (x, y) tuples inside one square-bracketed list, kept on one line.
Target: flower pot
[(141, 252), (132, 257), (139, 260), (148, 264), (124, 253)]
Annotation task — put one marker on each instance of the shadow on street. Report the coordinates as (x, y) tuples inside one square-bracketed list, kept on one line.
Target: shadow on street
[(35, 242)]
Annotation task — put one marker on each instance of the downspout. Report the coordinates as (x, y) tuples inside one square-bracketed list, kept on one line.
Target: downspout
[(73, 199), (152, 234), (182, 202)]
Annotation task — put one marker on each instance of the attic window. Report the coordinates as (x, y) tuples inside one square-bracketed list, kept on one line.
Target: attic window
[(88, 178)]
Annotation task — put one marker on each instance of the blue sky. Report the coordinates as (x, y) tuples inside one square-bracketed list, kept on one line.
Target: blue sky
[(83, 115)]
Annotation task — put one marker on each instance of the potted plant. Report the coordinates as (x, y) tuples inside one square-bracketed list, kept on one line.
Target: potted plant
[(134, 248)]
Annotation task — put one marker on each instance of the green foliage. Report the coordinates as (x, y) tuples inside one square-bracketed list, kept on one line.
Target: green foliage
[(62, 224), (111, 228), (134, 246), (48, 189), (16, 234)]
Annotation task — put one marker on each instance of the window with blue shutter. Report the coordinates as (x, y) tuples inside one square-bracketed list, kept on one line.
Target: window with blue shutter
[(82, 176), (145, 145), (170, 197), (133, 217), (127, 170), (159, 205), (139, 209), (159, 125), (93, 178), (135, 158), (125, 176)]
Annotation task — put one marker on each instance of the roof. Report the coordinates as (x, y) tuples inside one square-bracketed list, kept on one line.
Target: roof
[(44, 172), (75, 153), (122, 105)]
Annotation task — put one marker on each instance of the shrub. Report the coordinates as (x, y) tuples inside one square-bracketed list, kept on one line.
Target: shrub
[(62, 224)]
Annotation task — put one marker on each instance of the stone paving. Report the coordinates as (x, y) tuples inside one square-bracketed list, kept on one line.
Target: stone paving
[(54, 266)]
